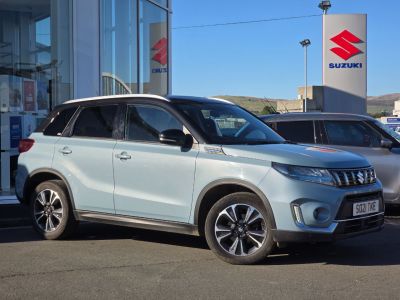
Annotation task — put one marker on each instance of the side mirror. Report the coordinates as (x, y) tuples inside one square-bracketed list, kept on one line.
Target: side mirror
[(386, 144), (172, 137)]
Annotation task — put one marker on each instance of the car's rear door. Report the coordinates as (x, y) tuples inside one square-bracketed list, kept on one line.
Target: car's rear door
[(296, 131), (152, 180), (84, 157)]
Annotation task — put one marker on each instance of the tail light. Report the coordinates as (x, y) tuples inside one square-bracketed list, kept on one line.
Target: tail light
[(25, 145)]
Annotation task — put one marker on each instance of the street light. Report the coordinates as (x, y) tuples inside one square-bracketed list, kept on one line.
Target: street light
[(325, 5), (305, 43)]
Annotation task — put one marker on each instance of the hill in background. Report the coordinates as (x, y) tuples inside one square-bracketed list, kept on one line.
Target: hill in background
[(375, 104)]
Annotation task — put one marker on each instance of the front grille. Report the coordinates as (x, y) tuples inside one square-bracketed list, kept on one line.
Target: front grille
[(346, 208), (353, 177)]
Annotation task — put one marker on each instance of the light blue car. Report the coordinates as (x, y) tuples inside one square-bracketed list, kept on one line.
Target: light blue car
[(195, 166)]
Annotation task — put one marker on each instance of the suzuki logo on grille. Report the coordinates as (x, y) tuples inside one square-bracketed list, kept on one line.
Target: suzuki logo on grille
[(360, 177), (345, 41), (162, 50)]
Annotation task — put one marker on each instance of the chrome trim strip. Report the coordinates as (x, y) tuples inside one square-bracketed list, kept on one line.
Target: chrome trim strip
[(359, 218), (330, 229)]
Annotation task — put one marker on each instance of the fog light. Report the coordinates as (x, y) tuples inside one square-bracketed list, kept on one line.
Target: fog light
[(321, 214), (298, 214)]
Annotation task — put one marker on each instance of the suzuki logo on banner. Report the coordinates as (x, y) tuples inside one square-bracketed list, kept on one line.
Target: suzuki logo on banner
[(345, 41), (161, 55)]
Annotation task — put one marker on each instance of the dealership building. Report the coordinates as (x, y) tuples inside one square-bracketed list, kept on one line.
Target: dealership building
[(55, 50)]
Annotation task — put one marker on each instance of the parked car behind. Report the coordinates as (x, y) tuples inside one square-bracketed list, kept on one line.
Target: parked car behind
[(195, 166), (356, 133)]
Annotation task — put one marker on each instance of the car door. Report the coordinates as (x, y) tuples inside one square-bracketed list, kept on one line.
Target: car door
[(361, 138), (84, 157), (152, 180)]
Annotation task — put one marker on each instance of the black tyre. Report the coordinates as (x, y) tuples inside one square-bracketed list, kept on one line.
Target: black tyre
[(238, 229), (51, 210)]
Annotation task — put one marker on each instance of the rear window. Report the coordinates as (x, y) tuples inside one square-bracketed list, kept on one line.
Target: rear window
[(59, 122), (97, 121), (296, 131)]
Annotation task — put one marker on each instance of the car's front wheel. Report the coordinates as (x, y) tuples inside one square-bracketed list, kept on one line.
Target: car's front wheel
[(238, 229), (51, 210)]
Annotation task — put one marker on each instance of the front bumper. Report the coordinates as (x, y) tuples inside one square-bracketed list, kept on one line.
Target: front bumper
[(305, 211), (341, 230)]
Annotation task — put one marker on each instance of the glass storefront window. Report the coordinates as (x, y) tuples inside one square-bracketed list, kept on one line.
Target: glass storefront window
[(119, 53), (163, 3), (126, 66), (35, 69), (153, 48)]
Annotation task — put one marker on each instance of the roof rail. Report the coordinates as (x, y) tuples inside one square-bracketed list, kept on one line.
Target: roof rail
[(117, 97)]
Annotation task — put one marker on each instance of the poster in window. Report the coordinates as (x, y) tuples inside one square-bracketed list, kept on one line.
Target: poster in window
[(15, 93), (29, 95), (4, 92), (15, 131), (42, 97)]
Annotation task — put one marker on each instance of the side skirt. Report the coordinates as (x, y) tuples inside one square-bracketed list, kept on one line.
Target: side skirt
[(136, 222)]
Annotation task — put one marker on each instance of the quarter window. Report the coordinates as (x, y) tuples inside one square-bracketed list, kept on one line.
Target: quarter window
[(59, 122), (96, 122), (144, 123), (297, 131), (351, 133)]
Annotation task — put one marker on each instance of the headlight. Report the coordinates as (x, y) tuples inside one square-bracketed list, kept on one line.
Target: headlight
[(316, 175)]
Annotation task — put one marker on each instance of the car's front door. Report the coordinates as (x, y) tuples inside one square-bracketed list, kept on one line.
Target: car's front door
[(362, 138), (152, 180), (84, 157)]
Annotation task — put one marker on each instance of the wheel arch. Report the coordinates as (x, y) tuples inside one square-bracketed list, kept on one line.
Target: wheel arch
[(41, 175), (215, 190)]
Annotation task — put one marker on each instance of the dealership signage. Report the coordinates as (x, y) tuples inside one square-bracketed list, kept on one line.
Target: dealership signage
[(393, 120), (345, 59)]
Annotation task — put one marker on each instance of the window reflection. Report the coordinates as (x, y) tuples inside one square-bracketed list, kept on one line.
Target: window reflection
[(153, 49), (119, 47)]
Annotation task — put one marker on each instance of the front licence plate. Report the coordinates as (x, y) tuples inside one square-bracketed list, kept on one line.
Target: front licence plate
[(364, 208)]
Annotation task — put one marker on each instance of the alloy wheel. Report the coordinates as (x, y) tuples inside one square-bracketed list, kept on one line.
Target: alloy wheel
[(240, 229), (48, 210)]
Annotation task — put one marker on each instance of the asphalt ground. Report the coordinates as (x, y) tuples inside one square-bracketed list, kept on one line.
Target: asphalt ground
[(105, 262)]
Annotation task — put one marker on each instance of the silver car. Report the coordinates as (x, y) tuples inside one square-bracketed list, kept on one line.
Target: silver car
[(356, 133)]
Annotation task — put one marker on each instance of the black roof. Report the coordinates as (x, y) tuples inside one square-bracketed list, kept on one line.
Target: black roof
[(314, 116)]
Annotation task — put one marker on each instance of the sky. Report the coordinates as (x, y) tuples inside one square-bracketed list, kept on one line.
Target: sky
[(266, 59)]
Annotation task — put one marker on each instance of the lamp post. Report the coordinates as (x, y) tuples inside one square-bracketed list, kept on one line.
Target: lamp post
[(305, 43), (325, 5)]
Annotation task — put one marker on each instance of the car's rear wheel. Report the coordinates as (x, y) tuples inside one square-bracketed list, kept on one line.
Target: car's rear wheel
[(51, 210), (238, 229)]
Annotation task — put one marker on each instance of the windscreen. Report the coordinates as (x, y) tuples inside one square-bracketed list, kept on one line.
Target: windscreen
[(227, 124), (388, 130)]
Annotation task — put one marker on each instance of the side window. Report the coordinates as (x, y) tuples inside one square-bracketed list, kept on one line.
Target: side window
[(59, 122), (351, 133), (296, 131), (272, 125), (145, 122), (96, 122)]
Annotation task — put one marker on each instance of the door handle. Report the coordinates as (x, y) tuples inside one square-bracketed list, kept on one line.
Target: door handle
[(65, 150), (123, 156)]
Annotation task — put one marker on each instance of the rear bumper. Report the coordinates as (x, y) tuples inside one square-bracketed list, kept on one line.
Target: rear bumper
[(344, 229)]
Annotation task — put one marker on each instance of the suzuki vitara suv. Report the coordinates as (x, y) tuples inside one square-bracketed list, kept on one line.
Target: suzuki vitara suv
[(195, 166)]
